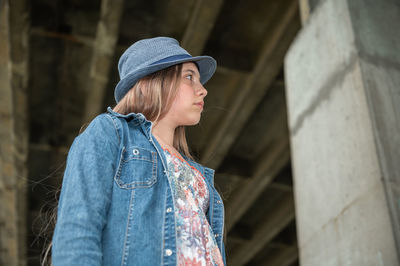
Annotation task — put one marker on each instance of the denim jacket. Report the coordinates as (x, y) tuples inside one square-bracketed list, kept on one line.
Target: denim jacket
[(116, 205)]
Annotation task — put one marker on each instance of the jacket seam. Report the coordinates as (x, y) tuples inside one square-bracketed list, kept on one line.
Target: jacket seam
[(163, 229), (115, 127), (125, 250)]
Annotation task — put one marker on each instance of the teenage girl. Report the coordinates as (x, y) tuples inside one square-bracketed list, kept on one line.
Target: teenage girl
[(131, 193)]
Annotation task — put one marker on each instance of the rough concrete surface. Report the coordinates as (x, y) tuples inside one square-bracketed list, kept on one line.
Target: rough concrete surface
[(343, 217), (323, 47), (355, 237), (378, 41)]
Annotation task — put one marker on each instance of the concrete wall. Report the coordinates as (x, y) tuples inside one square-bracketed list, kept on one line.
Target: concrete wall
[(13, 131), (343, 116), (378, 42), (8, 212)]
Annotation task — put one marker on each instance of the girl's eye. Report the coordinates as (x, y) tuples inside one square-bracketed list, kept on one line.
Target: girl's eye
[(189, 77)]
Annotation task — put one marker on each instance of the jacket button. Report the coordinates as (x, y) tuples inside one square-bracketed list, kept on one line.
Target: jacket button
[(219, 202), (169, 209), (216, 235), (168, 252), (135, 152)]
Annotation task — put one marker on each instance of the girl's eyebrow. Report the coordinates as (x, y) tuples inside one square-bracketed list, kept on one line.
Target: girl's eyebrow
[(191, 71)]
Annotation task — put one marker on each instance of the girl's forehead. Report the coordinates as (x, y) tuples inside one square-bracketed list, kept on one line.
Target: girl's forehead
[(190, 66)]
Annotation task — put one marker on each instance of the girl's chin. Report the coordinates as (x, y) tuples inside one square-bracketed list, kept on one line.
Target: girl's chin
[(191, 122)]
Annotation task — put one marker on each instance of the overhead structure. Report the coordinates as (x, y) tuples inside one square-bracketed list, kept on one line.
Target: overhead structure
[(69, 75)]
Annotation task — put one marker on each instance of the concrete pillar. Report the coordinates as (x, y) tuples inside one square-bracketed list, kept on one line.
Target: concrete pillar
[(307, 7), (343, 95), (13, 131)]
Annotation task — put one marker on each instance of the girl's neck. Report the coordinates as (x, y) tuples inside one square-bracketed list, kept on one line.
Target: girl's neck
[(164, 135)]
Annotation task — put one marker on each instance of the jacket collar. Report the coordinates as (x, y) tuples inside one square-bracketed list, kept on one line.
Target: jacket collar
[(137, 118), (140, 120)]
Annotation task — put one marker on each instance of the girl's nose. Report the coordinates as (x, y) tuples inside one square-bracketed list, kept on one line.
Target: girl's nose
[(201, 90)]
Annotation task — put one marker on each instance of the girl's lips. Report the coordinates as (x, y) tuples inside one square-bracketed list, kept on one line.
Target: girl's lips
[(200, 104)]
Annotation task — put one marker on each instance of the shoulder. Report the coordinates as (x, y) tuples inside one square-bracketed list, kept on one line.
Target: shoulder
[(208, 173), (100, 126), (100, 133)]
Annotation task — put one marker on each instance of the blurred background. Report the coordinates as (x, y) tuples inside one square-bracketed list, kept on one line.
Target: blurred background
[(301, 121)]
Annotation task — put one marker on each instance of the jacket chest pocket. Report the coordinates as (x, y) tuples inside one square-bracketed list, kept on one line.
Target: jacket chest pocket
[(137, 168)]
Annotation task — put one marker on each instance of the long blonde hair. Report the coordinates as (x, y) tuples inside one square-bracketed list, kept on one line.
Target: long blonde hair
[(153, 96)]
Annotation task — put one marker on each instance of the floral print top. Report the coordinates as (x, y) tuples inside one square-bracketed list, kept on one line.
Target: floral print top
[(196, 244)]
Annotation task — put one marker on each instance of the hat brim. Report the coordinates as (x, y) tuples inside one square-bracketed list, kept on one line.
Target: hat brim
[(206, 64)]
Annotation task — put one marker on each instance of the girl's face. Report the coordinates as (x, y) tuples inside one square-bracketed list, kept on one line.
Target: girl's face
[(189, 102)]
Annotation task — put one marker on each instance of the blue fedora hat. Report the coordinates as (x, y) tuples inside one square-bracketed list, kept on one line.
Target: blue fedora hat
[(147, 56)]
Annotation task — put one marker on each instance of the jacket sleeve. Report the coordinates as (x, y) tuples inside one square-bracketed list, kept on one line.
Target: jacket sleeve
[(86, 195)]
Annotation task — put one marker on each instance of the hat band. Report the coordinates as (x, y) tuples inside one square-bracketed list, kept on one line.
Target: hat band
[(172, 58)]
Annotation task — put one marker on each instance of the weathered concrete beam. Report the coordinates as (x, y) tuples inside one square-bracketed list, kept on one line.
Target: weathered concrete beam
[(342, 77), (280, 217), (84, 40), (267, 67), (8, 224), (103, 52), (14, 27), (200, 25), (284, 257), (304, 10), (281, 187), (266, 170), (380, 68), (273, 158), (48, 147)]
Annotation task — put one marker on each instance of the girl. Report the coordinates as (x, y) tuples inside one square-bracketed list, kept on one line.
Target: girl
[(131, 194)]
